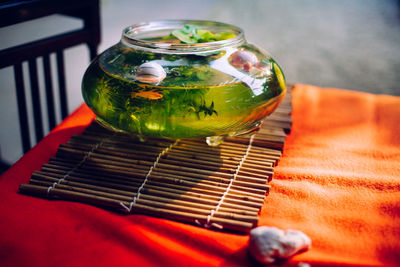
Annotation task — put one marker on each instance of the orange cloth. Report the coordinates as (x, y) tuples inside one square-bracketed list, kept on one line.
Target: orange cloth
[(338, 181), (339, 177)]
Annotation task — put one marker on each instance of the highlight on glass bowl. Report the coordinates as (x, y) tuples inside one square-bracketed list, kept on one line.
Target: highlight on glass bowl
[(183, 79)]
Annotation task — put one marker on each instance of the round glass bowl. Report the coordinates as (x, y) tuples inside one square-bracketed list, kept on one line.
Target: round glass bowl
[(152, 85)]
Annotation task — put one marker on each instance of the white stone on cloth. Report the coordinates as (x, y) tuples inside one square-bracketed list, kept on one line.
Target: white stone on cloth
[(269, 244)]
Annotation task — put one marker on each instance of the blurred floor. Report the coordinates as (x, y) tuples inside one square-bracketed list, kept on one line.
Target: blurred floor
[(352, 44)]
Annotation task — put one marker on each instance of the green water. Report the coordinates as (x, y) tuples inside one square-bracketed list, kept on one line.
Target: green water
[(193, 101)]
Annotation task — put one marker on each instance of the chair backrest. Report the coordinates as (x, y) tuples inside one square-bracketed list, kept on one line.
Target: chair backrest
[(13, 12)]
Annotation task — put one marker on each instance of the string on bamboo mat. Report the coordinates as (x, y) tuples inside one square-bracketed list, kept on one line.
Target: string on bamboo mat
[(87, 156), (183, 180), (208, 223), (128, 209)]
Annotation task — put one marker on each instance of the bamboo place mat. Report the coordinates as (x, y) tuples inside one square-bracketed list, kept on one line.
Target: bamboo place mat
[(183, 180)]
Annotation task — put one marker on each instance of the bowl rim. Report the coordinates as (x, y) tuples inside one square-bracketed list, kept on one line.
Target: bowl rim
[(130, 33)]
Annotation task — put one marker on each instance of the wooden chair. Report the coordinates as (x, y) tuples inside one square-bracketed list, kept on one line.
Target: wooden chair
[(13, 12)]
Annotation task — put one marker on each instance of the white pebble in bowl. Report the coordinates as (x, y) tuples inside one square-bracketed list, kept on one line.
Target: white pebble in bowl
[(150, 72)]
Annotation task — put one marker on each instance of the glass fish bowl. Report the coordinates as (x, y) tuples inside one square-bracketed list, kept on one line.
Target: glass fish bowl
[(183, 79)]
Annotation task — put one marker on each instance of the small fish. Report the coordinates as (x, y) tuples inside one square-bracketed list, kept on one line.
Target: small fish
[(151, 95)]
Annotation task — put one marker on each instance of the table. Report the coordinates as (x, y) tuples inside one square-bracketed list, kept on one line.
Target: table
[(338, 181)]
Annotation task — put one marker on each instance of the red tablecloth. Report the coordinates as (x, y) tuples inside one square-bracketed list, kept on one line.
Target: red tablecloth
[(338, 181)]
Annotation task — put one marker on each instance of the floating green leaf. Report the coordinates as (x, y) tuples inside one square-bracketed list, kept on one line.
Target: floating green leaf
[(192, 34)]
